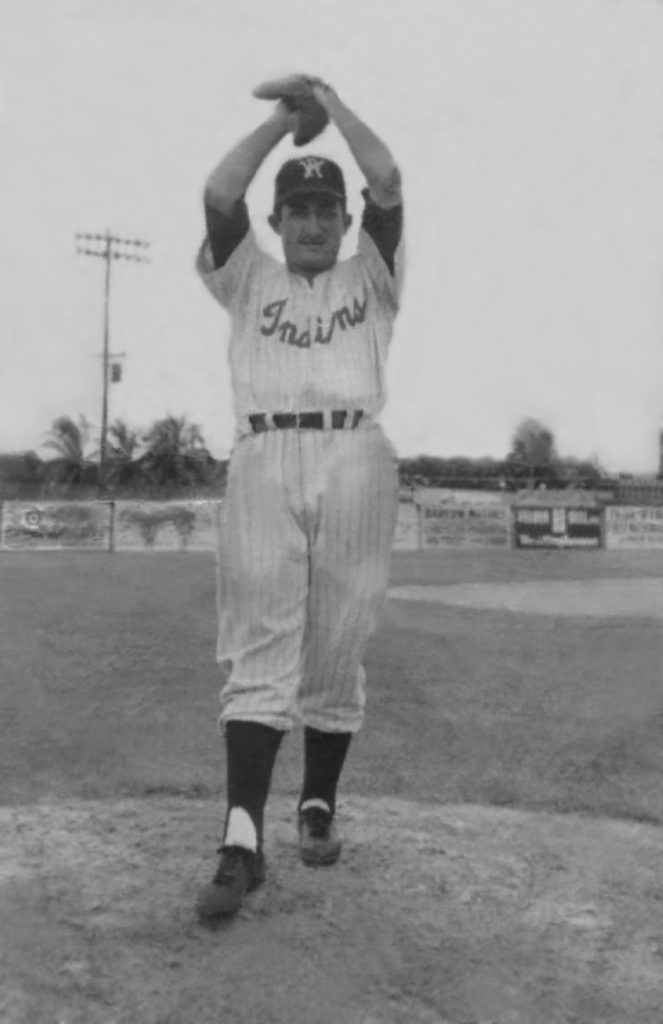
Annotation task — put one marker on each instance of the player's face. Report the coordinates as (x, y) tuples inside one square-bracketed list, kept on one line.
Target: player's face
[(311, 230)]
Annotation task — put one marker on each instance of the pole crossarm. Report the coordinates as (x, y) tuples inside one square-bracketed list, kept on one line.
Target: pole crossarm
[(129, 256), (111, 248), (113, 238)]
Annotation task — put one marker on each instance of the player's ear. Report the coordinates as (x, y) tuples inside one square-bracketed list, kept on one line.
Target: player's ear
[(274, 221), (347, 222)]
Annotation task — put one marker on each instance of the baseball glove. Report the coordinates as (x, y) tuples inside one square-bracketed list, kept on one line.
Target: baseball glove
[(296, 92)]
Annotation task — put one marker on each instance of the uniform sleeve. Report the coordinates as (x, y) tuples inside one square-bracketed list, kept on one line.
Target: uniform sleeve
[(380, 248), (229, 256), (226, 231)]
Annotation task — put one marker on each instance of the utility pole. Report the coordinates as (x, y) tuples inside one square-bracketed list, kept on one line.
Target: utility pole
[(108, 248)]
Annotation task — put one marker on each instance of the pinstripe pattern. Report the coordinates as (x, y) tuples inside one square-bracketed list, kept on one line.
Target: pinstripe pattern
[(276, 363), (303, 566), (306, 527)]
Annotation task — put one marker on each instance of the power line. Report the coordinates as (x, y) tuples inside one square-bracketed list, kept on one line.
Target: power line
[(110, 248)]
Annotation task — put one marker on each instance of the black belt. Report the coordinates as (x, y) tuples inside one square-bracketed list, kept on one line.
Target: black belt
[(303, 420)]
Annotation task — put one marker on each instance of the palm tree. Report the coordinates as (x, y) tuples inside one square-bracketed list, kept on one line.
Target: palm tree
[(122, 467), (123, 441), (176, 455), (70, 441)]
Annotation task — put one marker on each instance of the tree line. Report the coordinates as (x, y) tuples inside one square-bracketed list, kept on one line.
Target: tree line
[(171, 458), (532, 461)]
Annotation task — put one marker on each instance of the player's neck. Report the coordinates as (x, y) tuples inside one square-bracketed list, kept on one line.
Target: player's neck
[(308, 275)]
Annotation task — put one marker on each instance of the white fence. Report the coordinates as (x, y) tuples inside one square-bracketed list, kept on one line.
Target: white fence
[(630, 527), (424, 522), (109, 526)]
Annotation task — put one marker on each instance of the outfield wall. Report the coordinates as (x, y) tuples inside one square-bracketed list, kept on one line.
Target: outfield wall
[(165, 526), (536, 526), (631, 527), (424, 522), (407, 534), (463, 525), (109, 525), (56, 525)]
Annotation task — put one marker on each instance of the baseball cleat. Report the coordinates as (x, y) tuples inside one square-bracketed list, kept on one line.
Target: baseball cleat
[(240, 871), (319, 841)]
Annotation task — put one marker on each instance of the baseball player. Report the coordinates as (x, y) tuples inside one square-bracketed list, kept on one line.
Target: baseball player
[(309, 512)]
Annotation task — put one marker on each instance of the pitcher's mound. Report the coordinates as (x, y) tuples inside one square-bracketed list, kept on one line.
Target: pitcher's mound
[(435, 915)]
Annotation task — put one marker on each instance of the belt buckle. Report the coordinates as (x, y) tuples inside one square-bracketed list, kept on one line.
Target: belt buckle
[(258, 422)]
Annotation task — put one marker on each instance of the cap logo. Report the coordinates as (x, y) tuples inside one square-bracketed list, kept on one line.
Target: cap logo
[(312, 166)]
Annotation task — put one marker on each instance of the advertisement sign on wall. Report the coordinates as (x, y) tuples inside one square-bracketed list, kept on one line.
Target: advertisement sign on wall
[(557, 527), (455, 525), (51, 525), (165, 526), (628, 527)]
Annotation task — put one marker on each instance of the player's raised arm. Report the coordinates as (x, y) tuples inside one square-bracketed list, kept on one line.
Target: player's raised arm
[(373, 156), (230, 179)]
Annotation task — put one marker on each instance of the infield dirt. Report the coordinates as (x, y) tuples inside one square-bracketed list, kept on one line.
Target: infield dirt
[(436, 915)]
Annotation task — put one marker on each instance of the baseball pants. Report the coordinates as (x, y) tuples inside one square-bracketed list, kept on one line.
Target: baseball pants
[(303, 563)]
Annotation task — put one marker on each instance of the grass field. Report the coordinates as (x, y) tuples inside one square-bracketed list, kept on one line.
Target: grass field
[(109, 687), (441, 911)]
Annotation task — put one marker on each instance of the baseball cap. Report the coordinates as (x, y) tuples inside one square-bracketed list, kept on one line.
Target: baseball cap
[(308, 175)]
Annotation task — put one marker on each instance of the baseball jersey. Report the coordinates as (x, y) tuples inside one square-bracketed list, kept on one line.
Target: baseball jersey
[(295, 345)]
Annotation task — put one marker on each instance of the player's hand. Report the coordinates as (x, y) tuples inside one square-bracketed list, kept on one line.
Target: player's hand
[(322, 91), (296, 94), (286, 115)]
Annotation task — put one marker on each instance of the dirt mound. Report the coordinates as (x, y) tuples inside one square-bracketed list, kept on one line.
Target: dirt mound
[(436, 915), (610, 597)]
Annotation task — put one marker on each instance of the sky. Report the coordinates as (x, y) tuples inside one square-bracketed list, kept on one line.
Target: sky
[(529, 134)]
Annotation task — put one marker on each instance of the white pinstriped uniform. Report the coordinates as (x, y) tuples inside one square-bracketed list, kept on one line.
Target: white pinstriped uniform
[(308, 518)]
